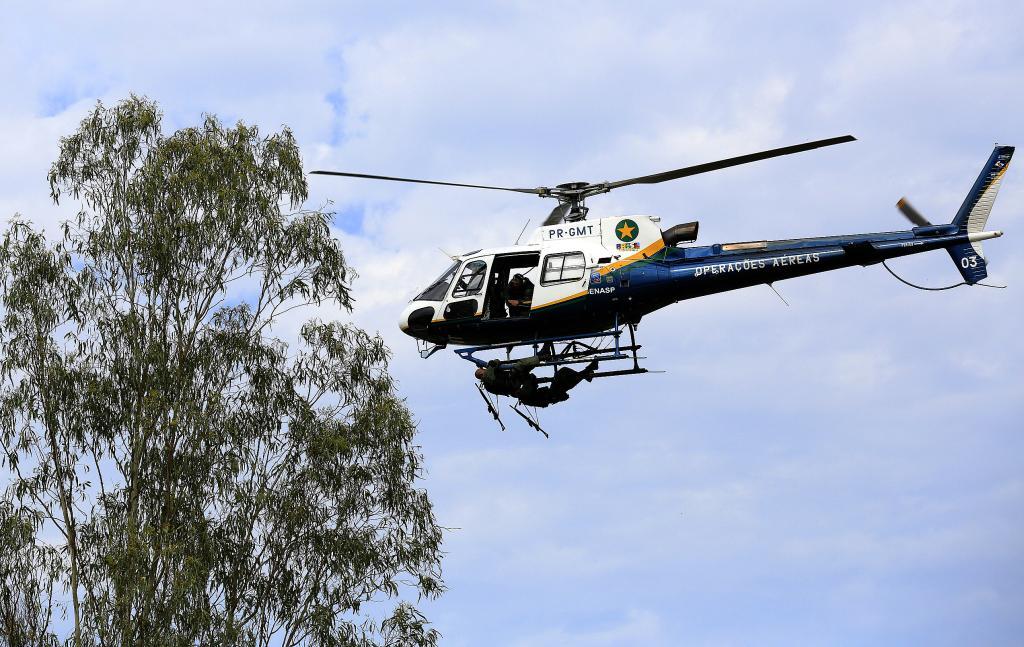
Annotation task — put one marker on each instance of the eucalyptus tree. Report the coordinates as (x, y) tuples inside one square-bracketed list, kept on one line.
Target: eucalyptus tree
[(177, 473)]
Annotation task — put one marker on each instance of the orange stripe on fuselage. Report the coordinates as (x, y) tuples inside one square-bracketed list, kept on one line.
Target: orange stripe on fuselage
[(562, 300), (643, 254)]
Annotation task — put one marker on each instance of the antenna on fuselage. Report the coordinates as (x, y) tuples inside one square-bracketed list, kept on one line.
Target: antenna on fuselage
[(772, 286), (522, 231)]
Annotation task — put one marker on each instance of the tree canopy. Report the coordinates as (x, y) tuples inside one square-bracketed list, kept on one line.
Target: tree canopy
[(177, 474)]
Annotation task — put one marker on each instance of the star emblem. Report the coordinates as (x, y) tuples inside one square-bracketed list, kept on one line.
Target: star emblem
[(626, 230)]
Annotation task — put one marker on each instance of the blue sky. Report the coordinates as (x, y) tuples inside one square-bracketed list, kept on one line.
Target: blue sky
[(846, 470)]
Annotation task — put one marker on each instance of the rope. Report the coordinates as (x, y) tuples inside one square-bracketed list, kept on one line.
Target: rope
[(948, 287)]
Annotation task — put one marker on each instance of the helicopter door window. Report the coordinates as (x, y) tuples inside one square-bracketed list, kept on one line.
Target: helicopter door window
[(471, 280), (439, 288), (561, 268)]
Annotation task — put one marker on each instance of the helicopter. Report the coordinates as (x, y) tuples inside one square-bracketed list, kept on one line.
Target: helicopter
[(580, 284)]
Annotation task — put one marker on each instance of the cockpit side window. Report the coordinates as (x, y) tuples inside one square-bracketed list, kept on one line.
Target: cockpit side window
[(471, 280), (439, 288)]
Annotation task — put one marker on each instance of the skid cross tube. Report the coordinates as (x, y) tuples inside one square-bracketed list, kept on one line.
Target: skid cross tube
[(468, 353), (576, 350)]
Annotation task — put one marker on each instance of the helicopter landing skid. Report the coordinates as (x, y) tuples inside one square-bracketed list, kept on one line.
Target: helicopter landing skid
[(571, 349)]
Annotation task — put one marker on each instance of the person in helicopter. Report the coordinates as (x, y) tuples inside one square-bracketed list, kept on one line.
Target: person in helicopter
[(565, 379), (519, 296)]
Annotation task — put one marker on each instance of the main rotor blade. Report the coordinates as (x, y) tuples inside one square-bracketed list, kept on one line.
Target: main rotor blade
[(912, 214), (557, 215), (732, 161), (537, 191)]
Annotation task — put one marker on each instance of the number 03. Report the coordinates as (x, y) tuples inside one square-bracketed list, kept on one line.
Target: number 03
[(969, 261)]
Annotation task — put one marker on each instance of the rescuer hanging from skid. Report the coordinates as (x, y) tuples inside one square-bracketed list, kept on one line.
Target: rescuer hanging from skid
[(518, 381)]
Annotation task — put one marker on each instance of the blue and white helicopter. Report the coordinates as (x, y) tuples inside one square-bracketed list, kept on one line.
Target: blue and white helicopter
[(576, 285)]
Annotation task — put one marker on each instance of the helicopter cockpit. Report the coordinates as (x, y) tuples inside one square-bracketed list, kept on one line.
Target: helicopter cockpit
[(488, 287), (437, 290)]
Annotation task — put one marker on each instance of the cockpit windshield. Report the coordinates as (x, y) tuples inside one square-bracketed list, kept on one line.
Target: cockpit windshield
[(439, 288)]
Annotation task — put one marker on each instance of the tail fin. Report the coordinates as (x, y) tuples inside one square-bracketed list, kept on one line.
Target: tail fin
[(973, 215)]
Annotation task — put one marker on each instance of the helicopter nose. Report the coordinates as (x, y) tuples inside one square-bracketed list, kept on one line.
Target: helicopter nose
[(416, 319)]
